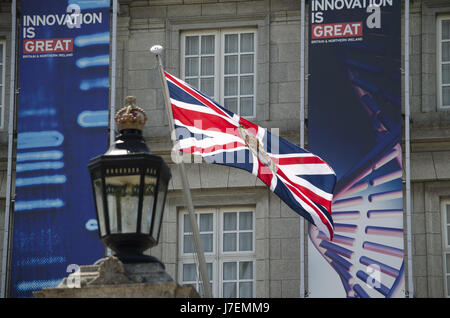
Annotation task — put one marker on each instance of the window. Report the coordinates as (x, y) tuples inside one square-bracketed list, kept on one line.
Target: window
[(222, 64), (446, 244), (227, 236), (443, 41), (2, 82)]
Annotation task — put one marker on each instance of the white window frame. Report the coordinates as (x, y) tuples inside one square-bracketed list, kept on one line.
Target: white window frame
[(439, 62), (216, 62), (445, 244), (218, 257), (219, 61), (2, 87)]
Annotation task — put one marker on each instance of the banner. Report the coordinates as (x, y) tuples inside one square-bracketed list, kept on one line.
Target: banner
[(62, 122), (355, 125)]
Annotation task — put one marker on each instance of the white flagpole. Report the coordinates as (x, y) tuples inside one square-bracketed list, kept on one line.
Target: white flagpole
[(6, 235), (157, 50), (302, 140), (407, 155)]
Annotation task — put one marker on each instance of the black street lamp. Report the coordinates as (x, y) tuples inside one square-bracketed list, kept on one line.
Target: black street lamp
[(130, 187)]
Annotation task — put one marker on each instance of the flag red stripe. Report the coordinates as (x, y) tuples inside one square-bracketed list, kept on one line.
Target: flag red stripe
[(196, 95), (204, 150), (310, 194), (264, 174), (249, 125), (204, 121), (318, 212), (299, 160)]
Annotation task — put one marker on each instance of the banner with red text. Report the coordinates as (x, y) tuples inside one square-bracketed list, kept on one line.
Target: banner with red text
[(62, 122), (355, 124)]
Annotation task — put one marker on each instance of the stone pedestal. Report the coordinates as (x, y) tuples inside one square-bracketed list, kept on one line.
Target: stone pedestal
[(110, 278)]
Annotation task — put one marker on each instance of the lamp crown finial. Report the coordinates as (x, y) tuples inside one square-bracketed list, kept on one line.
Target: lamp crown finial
[(130, 116)]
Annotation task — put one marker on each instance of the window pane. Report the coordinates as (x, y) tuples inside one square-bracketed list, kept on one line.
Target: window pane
[(188, 244), (192, 81), (247, 106), (446, 74), (229, 290), (189, 272), (208, 65), (186, 224), (245, 220), (247, 42), (1, 54), (207, 86), (191, 68), (446, 96), (448, 235), (446, 30), (245, 241), (246, 290), (202, 292), (246, 85), (229, 271), (448, 285), (206, 222), (209, 269), (191, 45), (231, 43), (208, 44), (229, 242), (448, 213), (447, 262), (229, 221), (231, 86), (231, 64), (446, 52), (231, 104), (247, 63), (246, 270), (207, 242)]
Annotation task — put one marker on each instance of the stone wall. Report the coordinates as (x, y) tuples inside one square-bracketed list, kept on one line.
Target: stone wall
[(142, 24)]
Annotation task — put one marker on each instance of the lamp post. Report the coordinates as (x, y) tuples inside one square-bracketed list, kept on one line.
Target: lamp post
[(130, 187)]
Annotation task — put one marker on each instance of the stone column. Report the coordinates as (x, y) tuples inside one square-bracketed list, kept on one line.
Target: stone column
[(110, 278)]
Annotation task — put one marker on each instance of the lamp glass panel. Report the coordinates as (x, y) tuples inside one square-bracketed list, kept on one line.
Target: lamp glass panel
[(148, 203), (123, 200), (161, 197), (98, 193)]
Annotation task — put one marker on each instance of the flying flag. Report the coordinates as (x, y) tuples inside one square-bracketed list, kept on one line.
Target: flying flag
[(301, 179)]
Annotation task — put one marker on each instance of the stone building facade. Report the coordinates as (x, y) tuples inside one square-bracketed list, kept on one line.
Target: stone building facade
[(233, 204)]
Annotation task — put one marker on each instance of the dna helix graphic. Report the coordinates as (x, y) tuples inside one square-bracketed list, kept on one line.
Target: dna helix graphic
[(367, 249)]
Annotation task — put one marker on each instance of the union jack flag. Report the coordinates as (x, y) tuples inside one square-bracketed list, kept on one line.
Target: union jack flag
[(301, 179)]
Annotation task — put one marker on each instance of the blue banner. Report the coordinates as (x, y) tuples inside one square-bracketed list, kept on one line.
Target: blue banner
[(62, 122), (355, 125)]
